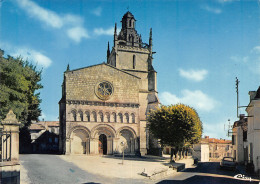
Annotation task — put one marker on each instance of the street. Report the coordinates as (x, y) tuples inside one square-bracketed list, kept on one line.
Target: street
[(206, 173), (46, 169)]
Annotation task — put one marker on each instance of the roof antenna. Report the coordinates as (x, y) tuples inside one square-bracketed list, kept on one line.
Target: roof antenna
[(127, 8)]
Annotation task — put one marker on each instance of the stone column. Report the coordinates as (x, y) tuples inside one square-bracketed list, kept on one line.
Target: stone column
[(110, 146), (10, 169), (93, 146), (68, 145), (132, 143), (11, 124), (116, 145)]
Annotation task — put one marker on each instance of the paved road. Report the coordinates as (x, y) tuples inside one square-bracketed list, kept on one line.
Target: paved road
[(50, 169), (206, 173)]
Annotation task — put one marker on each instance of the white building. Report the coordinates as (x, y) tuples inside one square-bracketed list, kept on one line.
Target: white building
[(253, 134), (239, 139), (201, 151)]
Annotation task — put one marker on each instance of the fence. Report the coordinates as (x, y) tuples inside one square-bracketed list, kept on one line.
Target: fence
[(5, 146)]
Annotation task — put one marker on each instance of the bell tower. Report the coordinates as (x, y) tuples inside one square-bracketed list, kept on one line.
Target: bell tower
[(133, 56), (129, 52)]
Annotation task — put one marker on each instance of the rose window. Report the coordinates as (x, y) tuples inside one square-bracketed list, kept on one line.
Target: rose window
[(104, 90)]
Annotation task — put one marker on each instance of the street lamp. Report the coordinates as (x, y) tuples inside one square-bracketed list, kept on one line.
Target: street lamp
[(123, 145)]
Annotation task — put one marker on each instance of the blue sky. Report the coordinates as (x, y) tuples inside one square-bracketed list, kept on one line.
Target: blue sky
[(201, 46)]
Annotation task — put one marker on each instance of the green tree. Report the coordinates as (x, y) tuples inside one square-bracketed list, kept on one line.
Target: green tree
[(19, 85), (177, 126)]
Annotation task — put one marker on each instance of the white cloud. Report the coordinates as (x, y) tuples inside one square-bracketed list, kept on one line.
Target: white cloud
[(34, 56), (29, 54), (69, 23), (77, 33), (211, 9), (48, 117), (97, 11), (244, 59), (218, 128), (46, 16), (196, 99), (215, 130), (42, 117), (256, 50), (101, 31), (194, 75), (225, 1)]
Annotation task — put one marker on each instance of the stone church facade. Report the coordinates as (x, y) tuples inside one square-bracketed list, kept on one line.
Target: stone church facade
[(104, 107)]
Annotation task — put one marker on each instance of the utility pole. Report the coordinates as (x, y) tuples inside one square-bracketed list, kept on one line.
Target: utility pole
[(237, 83)]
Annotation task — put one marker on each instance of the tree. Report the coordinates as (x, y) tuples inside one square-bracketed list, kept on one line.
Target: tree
[(177, 126), (19, 85)]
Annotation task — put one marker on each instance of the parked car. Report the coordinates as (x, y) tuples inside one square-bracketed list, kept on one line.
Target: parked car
[(228, 163)]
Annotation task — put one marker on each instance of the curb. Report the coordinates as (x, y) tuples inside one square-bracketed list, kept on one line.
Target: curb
[(163, 173)]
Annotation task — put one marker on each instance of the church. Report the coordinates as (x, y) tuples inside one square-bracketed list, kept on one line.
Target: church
[(104, 107)]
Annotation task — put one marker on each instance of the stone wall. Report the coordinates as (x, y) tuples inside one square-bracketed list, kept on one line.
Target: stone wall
[(80, 84), (126, 54)]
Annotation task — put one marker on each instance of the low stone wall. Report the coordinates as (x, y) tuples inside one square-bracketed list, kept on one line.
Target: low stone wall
[(10, 172)]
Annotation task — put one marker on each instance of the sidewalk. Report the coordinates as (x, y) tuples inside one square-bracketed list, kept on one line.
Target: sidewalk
[(136, 168)]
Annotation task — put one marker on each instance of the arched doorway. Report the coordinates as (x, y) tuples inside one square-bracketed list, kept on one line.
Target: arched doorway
[(80, 142), (127, 137), (102, 144)]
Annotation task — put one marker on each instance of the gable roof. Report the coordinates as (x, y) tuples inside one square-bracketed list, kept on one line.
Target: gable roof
[(50, 123), (214, 140), (105, 65), (36, 126)]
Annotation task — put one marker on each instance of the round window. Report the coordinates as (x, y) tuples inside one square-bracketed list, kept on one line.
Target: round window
[(104, 90)]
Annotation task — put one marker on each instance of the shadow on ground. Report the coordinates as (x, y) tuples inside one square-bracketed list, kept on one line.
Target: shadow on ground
[(136, 158), (207, 180), (212, 168)]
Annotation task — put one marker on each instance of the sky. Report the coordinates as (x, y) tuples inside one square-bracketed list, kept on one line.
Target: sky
[(201, 47)]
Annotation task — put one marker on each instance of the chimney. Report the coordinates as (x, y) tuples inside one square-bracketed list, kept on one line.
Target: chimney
[(252, 95), (206, 137), (241, 116)]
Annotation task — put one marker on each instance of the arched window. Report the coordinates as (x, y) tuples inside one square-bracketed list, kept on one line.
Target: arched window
[(120, 117), (88, 116), (74, 115), (127, 117), (130, 21), (133, 117), (81, 115), (134, 63), (108, 117), (94, 116), (114, 117), (101, 117)]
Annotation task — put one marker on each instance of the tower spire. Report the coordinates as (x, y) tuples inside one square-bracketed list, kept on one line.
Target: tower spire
[(115, 35), (68, 67), (151, 38), (115, 30), (108, 51)]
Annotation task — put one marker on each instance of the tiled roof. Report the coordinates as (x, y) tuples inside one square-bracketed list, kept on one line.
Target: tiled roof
[(214, 140), (49, 123), (222, 141), (36, 126)]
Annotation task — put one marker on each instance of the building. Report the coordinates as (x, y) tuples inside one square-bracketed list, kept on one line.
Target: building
[(103, 108), (212, 149), (253, 132), (219, 148), (45, 136), (239, 139), (201, 150)]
